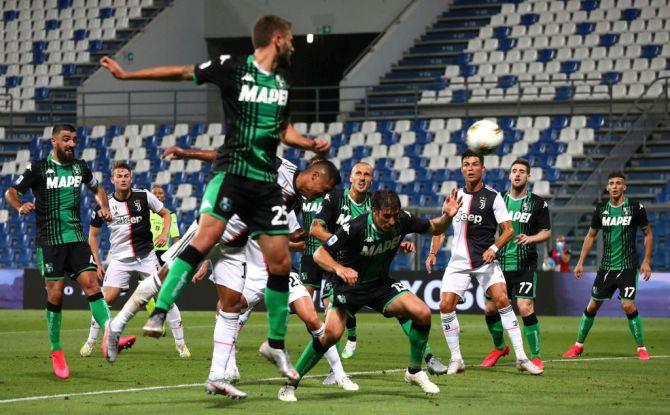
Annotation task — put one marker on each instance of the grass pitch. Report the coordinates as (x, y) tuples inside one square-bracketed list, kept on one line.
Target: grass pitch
[(151, 378)]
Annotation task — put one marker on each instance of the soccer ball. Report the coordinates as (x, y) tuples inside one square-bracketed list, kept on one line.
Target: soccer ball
[(484, 137)]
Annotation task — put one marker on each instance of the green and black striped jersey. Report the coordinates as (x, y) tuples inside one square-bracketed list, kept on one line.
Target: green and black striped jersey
[(619, 226), (309, 211), (255, 110), (530, 215), (57, 191), (339, 208)]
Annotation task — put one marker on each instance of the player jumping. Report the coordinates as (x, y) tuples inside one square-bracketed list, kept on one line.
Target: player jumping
[(619, 218), (255, 94)]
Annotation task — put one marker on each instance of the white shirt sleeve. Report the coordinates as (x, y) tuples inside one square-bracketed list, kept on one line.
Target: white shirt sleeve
[(500, 210), (154, 204), (293, 224)]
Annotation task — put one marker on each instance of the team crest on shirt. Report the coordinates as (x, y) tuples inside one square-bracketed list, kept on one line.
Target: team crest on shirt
[(76, 170), (138, 206), (341, 299), (482, 202), (626, 210), (525, 207), (225, 204), (48, 267), (280, 82)]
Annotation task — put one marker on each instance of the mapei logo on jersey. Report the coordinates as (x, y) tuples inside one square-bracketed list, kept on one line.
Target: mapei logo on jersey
[(463, 217), (311, 207), (263, 95), (342, 219), (521, 217), (381, 248), (63, 181), (617, 220)]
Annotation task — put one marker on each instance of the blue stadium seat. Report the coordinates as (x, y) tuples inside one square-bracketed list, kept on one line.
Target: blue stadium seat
[(546, 55), (79, 34), (351, 127), (39, 58), (595, 122), (82, 131), (13, 81), (468, 70), (460, 96), (64, 4), (569, 67), (506, 123), (362, 152), (40, 46), (507, 81), (3, 69), (610, 78), (10, 15), (106, 13), (197, 129), (463, 58), (502, 32), (589, 5), (608, 39), (529, 19), (584, 28), (52, 24), (650, 51), (95, 45), (559, 122), (164, 129), (507, 44), (630, 14)]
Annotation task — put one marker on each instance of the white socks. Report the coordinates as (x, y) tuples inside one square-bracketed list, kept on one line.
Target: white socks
[(511, 326), (173, 319), (331, 355), (146, 289), (452, 330), (94, 331), (224, 341)]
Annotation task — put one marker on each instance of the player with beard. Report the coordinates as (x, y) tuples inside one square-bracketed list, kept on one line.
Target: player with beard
[(473, 255), (62, 250), (518, 260), (255, 95)]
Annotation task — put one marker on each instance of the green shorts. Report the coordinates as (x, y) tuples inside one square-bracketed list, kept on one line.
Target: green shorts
[(56, 262), (259, 204)]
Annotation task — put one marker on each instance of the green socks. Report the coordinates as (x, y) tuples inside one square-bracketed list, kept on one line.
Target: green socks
[(418, 338), (635, 325), (531, 329), (406, 326), (585, 325), (310, 357), (54, 317), (276, 302), (99, 309), (495, 327), (180, 274)]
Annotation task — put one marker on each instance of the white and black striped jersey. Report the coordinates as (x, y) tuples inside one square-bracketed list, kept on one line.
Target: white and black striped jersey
[(286, 175), (130, 228), (475, 227)]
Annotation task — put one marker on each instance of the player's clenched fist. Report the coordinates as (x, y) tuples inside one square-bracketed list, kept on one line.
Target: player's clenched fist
[(348, 275), (26, 208)]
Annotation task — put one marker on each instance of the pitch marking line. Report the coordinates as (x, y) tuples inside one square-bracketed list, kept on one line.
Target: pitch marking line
[(372, 372)]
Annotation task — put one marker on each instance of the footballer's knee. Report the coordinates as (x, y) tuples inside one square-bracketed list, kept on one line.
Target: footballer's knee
[(280, 265), (526, 308), (447, 306), (628, 307), (422, 316)]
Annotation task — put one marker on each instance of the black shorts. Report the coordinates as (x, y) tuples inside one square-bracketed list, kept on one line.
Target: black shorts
[(158, 255), (521, 284), (376, 294), (259, 204), (607, 282), (67, 260), (310, 273), (327, 290)]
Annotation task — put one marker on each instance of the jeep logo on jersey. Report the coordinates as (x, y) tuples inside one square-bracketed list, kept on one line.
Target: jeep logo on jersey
[(521, 217), (263, 95), (381, 248), (617, 220), (124, 220), (462, 217), (63, 181)]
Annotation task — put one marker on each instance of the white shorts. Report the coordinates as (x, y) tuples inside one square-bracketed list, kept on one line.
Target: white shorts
[(244, 270), (118, 272), (458, 281)]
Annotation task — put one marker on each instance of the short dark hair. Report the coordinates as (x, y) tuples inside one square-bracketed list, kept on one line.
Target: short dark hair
[(265, 28), (523, 162), (63, 127), (327, 168), (157, 186), (469, 153), (122, 165), (315, 159), (385, 199), (618, 174)]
